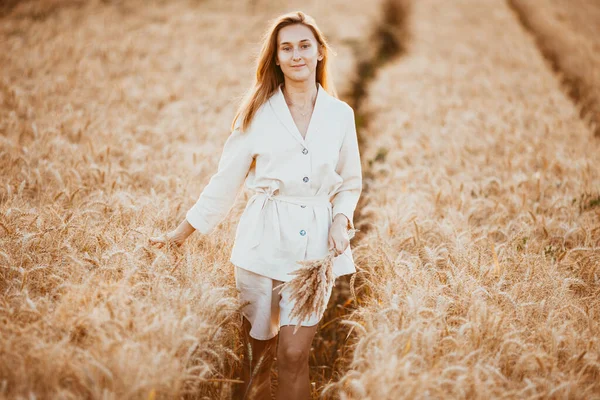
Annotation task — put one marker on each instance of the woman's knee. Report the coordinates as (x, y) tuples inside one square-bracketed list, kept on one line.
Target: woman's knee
[(292, 357)]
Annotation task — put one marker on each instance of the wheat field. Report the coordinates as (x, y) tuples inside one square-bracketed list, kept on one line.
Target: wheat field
[(569, 36), (478, 254), (483, 270)]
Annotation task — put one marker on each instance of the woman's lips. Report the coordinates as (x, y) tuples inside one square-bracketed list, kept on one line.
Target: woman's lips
[(298, 66)]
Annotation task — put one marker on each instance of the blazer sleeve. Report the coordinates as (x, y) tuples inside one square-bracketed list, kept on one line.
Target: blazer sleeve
[(218, 196), (349, 168)]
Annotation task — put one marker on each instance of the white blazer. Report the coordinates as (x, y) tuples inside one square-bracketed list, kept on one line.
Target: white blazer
[(298, 185)]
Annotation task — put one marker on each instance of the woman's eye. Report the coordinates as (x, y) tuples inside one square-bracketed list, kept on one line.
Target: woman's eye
[(306, 46)]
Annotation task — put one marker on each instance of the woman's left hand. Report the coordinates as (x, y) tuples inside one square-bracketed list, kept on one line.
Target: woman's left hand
[(338, 234)]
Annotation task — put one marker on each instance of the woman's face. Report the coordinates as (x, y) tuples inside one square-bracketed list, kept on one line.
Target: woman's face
[(298, 52)]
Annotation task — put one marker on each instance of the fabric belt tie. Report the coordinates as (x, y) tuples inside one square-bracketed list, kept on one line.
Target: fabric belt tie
[(266, 199)]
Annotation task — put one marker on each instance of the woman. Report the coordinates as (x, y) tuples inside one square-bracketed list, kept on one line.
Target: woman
[(295, 146)]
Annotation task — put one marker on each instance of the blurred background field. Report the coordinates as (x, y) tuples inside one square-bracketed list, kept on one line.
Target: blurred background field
[(484, 268), (479, 250)]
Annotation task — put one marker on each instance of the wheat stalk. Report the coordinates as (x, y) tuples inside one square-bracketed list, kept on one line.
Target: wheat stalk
[(310, 286)]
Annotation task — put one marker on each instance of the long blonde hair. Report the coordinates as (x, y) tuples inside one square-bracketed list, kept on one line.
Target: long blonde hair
[(269, 75)]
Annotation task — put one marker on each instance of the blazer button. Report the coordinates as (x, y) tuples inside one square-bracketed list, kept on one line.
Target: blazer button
[(305, 179), (305, 151), (302, 232), (303, 206)]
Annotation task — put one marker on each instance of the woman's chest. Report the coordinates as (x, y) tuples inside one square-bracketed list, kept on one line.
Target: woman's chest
[(277, 147), (301, 121)]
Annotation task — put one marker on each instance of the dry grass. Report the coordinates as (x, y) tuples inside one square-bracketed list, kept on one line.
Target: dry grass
[(310, 285), (96, 103), (568, 34), (481, 279), (112, 118)]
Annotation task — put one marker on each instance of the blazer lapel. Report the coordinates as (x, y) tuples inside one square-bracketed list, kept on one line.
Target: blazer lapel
[(282, 112)]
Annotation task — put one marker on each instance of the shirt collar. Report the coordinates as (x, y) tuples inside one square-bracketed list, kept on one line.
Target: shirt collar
[(283, 113)]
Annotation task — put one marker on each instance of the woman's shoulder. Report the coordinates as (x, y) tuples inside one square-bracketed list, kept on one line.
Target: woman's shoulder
[(256, 118), (343, 108), (338, 105)]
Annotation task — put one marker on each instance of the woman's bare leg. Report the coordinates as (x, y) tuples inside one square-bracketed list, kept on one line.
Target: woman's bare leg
[(257, 378), (292, 362)]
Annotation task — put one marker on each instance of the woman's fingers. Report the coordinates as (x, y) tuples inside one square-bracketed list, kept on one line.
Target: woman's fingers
[(333, 247), (338, 246), (167, 239), (338, 249), (342, 247), (159, 242)]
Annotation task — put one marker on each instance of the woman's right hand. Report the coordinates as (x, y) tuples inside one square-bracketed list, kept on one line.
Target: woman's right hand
[(176, 237)]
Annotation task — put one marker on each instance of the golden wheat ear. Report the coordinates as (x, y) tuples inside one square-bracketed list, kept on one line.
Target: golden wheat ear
[(310, 286)]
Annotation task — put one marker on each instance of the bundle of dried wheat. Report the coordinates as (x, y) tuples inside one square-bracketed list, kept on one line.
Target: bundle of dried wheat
[(310, 286)]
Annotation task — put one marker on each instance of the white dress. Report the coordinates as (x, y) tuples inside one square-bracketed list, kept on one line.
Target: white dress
[(299, 185)]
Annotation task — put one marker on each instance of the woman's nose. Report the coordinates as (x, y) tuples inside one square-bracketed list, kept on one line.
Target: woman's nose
[(296, 54)]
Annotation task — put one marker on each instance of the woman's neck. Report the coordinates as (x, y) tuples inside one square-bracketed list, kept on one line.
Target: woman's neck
[(300, 93)]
